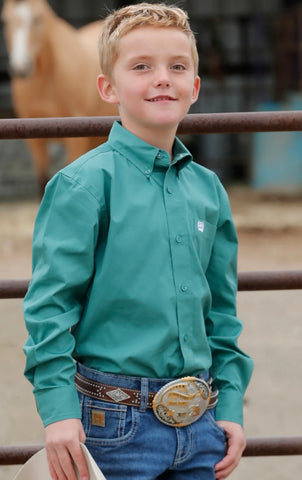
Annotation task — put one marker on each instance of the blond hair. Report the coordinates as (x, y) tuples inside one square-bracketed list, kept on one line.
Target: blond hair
[(121, 21)]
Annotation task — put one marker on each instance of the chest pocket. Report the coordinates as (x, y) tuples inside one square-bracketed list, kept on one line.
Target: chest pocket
[(203, 240)]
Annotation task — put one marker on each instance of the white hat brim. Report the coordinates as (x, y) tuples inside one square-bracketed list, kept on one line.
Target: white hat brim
[(36, 468)]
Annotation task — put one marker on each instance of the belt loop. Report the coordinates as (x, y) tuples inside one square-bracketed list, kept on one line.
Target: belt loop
[(144, 394)]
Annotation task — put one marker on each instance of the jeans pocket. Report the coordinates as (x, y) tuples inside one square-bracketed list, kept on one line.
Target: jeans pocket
[(108, 423), (211, 418)]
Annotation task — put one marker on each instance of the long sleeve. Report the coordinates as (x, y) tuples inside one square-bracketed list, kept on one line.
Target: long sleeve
[(65, 236), (231, 368)]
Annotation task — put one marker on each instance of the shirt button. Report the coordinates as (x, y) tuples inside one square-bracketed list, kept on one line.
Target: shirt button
[(185, 338), (184, 287), (178, 239), (148, 171), (158, 155), (169, 190)]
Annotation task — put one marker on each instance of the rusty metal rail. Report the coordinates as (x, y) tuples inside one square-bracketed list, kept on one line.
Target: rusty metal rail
[(256, 447), (242, 122), (247, 281), (13, 288), (272, 280)]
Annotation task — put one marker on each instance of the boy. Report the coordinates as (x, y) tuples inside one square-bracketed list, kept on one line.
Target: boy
[(134, 278)]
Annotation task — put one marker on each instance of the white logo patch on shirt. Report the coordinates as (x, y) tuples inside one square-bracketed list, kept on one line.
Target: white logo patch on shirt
[(200, 226)]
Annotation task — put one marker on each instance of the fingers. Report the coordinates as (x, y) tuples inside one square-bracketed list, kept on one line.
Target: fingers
[(236, 446), (64, 451), (60, 464), (62, 460), (224, 468), (80, 462)]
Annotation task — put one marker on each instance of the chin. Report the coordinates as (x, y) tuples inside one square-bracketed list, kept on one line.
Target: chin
[(167, 121)]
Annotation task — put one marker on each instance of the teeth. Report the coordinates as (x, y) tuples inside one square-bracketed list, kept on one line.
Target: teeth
[(158, 99)]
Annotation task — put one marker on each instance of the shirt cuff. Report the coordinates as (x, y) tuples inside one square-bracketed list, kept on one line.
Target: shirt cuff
[(230, 407), (55, 404)]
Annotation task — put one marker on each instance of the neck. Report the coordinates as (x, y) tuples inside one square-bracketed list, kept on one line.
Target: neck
[(162, 139), (55, 29)]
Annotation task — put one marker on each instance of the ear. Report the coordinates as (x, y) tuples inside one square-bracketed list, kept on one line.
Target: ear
[(106, 89), (196, 89)]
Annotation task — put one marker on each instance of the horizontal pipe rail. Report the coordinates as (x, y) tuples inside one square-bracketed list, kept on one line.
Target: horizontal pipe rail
[(13, 288), (247, 281), (17, 454), (273, 446), (271, 280), (256, 447), (198, 123)]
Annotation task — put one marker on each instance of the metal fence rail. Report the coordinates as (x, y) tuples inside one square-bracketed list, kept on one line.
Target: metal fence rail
[(198, 123), (256, 447), (247, 281)]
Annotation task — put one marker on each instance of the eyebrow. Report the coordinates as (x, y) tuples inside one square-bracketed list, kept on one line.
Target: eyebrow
[(174, 58)]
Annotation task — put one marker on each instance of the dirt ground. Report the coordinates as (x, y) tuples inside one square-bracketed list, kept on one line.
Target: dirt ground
[(270, 234)]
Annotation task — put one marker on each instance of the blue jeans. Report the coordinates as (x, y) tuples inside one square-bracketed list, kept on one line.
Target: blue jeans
[(130, 442)]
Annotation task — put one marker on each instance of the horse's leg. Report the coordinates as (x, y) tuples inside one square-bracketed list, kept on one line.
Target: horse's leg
[(75, 147), (78, 146), (41, 161)]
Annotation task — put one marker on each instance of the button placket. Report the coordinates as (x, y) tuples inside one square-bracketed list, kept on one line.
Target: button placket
[(180, 255)]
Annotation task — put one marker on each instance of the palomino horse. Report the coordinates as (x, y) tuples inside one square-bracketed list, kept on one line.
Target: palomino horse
[(54, 68)]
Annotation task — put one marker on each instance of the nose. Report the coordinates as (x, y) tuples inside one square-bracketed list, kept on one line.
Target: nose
[(162, 78), (163, 83)]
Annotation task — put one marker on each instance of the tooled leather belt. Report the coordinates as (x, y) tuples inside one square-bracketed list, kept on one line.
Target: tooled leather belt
[(128, 396)]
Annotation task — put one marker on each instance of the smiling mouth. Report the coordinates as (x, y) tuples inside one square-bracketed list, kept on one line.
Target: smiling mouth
[(162, 98)]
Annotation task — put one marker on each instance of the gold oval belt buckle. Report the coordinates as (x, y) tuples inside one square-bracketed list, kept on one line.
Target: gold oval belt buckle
[(181, 402)]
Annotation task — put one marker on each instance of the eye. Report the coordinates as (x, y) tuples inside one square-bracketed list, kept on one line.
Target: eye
[(140, 67), (178, 67)]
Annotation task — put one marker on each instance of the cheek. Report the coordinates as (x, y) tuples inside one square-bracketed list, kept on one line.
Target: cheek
[(189, 94), (130, 94)]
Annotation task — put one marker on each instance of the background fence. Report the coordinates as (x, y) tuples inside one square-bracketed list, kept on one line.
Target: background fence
[(248, 281)]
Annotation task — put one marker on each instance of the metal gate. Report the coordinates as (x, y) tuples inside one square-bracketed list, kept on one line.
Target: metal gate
[(247, 281)]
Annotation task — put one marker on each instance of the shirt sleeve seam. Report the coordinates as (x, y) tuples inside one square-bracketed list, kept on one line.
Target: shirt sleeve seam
[(73, 180)]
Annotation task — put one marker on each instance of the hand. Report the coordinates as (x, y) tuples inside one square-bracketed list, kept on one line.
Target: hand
[(62, 441), (236, 445)]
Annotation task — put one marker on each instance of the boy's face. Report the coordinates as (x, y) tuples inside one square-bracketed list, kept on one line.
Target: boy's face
[(153, 80)]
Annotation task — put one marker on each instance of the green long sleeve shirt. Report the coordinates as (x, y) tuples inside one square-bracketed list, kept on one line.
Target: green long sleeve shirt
[(134, 273)]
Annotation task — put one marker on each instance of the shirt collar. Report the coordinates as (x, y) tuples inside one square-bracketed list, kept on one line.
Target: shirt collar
[(143, 155)]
